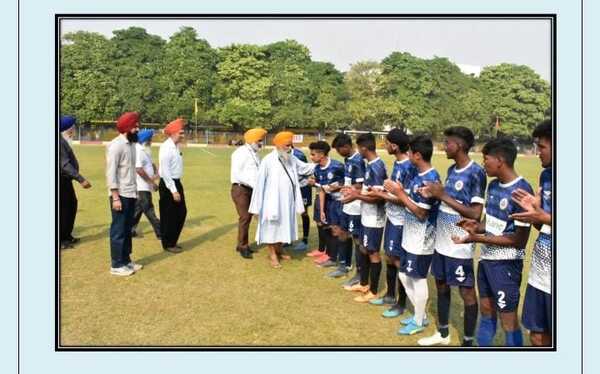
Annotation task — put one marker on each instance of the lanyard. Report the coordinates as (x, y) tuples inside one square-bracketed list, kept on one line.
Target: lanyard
[(290, 178)]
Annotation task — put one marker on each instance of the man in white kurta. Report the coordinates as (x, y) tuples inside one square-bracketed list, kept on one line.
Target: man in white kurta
[(276, 200)]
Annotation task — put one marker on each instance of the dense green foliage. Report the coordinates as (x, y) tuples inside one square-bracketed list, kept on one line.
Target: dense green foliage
[(279, 86)]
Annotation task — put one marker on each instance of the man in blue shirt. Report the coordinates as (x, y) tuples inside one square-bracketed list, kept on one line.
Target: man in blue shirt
[(537, 307), (372, 219), (351, 229), (418, 233), (329, 176), (306, 192), (396, 144), (452, 264), (504, 240)]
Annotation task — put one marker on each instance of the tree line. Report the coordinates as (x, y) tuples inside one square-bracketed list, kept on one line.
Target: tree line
[(279, 86)]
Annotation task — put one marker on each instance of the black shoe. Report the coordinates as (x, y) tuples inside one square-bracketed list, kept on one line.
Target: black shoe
[(246, 253), (73, 240), (66, 245)]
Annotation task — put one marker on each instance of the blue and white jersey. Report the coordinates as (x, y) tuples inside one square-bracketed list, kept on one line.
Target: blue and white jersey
[(467, 186), (331, 174), (540, 274), (302, 179), (373, 215), (403, 172), (355, 170), (498, 208), (418, 236)]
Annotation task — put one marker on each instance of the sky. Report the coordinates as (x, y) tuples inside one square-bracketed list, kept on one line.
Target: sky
[(471, 44)]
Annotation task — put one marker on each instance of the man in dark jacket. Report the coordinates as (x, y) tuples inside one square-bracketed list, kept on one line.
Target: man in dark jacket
[(69, 170)]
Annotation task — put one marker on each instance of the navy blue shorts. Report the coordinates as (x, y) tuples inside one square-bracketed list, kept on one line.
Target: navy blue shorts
[(371, 238), (415, 266), (537, 310), (333, 212), (306, 193), (500, 280), (392, 240), (352, 225), (453, 271)]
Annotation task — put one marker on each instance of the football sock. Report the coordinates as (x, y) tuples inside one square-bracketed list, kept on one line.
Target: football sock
[(470, 321), (364, 268), (401, 293), (421, 295), (332, 244), (322, 239), (443, 310), (514, 338), (305, 228), (391, 274), (375, 272), (405, 281), (346, 252), (487, 331)]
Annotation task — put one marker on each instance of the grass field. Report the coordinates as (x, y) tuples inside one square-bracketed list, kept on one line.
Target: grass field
[(209, 295)]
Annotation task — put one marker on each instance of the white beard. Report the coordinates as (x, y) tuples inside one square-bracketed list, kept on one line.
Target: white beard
[(67, 138), (285, 156)]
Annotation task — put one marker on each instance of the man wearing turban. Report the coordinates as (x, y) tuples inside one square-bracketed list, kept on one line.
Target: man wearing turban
[(244, 170), (145, 179), (69, 171), (171, 197), (122, 186), (277, 200)]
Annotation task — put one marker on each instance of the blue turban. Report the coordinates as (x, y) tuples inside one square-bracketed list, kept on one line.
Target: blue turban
[(145, 135), (66, 122)]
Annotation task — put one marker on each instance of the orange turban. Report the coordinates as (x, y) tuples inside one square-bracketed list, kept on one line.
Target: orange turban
[(174, 127), (283, 138), (254, 135), (127, 121)]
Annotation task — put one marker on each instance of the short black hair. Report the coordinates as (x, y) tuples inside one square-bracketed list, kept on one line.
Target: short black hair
[(341, 140), (367, 141), (503, 148), (543, 130), (398, 137), (320, 146), (463, 133), (423, 145)]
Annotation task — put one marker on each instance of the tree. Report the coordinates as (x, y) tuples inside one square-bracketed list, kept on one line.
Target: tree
[(517, 95), (242, 89), (87, 89), (134, 57), (187, 71)]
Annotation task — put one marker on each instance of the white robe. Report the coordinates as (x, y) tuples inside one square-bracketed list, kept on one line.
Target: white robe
[(273, 198)]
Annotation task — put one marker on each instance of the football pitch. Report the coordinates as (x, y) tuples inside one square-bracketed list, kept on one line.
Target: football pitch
[(208, 295)]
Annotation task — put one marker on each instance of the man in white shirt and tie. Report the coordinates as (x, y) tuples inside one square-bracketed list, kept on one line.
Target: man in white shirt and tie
[(172, 199), (244, 171)]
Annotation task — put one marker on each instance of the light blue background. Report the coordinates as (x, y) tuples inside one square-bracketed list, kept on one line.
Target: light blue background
[(37, 210)]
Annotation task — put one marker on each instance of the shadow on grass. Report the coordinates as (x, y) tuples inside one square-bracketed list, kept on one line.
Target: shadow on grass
[(211, 235), (190, 244), (144, 228)]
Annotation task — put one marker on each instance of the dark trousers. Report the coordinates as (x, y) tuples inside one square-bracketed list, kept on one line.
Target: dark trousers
[(120, 232), (241, 196), (68, 208), (172, 214), (144, 205)]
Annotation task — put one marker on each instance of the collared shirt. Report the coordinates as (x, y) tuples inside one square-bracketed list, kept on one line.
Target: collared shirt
[(170, 163), (120, 167), (244, 166), (143, 160), (69, 167)]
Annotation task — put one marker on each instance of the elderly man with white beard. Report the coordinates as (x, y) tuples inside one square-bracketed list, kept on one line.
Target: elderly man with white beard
[(276, 200), (69, 171)]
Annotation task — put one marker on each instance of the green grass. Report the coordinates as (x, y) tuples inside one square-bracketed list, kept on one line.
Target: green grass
[(209, 295)]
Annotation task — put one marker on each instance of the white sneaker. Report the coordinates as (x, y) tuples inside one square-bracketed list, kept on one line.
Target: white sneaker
[(434, 339), (134, 266), (123, 271)]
